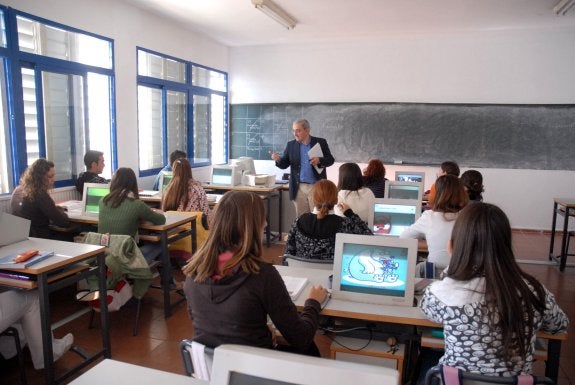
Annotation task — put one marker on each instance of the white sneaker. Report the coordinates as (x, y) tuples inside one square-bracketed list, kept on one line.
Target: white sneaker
[(62, 345)]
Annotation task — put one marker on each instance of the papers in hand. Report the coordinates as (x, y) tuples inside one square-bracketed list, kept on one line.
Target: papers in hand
[(314, 152), (7, 261), (294, 285)]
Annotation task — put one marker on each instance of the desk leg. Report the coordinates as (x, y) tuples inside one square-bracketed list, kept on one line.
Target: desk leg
[(44, 298), (553, 226), (553, 355), (268, 219), (165, 278), (105, 321), (193, 238), (563, 260), (280, 211)]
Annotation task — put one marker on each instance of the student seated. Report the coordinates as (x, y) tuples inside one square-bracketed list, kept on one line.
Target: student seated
[(473, 182), (231, 290), (435, 225), (446, 168), (490, 309), (352, 192), (23, 307), (312, 235), (121, 211), (374, 178), (184, 193), (32, 201), (94, 161), (175, 155)]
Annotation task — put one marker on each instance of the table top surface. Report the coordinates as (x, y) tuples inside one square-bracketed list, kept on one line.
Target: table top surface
[(406, 315), (567, 202), (116, 372), (173, 219)]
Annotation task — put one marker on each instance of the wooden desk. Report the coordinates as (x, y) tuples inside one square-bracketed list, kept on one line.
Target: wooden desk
[(397, 314), (116, 372), (566, 208), (267, 192), (172, 231), (54, 273)]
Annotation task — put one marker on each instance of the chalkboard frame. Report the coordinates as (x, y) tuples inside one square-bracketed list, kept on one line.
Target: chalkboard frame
[(507, 136)]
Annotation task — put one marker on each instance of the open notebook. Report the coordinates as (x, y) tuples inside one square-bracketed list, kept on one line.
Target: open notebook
[(294, 285)]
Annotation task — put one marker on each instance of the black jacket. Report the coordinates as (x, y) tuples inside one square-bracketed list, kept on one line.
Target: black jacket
[(291, 158)]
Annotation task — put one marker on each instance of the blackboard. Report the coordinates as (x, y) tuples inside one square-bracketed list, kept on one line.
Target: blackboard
[(474, 135)]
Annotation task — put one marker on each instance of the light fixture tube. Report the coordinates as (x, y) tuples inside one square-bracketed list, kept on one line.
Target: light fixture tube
[(563, 6), (275, 12)]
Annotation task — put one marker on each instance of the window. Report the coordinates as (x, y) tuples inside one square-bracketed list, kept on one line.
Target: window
[(62, 82), (179, 112)]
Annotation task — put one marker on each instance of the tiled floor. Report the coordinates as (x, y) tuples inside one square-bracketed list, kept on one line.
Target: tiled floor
[(156, 345)]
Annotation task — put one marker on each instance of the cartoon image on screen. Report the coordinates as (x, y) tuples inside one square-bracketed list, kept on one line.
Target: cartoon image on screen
[(392, 219), (374, 269)]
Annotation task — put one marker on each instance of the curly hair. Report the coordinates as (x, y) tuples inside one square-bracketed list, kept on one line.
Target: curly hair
[(34, 181)]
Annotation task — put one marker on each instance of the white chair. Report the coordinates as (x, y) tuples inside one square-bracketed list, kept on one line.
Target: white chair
[(293, 261), (243, 365), (197, 359)]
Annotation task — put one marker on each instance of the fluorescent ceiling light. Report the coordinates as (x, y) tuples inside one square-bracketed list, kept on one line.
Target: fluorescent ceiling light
[(563, 6), (275, 12)]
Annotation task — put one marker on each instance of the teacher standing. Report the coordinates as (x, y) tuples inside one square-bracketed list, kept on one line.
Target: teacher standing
[(303, 174)]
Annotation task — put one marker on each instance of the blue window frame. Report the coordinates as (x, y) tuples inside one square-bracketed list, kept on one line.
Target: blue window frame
[(57, 85), (181, 106)]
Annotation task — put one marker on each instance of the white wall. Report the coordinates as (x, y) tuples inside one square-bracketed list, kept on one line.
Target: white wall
[(534, 66), (130, 28)]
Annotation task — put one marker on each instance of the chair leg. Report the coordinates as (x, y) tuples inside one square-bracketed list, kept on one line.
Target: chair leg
[(13, 332), (137, 319), (91, 323)]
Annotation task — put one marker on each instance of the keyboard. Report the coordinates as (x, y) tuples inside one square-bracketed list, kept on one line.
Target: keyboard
[(148, 193)]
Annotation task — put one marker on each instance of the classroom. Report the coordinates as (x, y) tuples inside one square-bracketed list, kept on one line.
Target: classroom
[(432, 58)]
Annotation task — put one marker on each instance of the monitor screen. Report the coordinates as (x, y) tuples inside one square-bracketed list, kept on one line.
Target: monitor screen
[(410, 176), (392, 216), (165, 179), (226, 175), (376, 270), (93, 194), (404, 190)]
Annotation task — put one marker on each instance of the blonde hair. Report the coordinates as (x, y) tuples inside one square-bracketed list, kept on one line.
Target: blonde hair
[(324, 195), (236, 225)]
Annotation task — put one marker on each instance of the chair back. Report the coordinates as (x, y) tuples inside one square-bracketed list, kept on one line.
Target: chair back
[(293, 261), (182, 247), (447, 375), (197, 359)]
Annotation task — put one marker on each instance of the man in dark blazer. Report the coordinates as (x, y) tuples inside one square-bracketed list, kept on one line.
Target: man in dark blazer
[(303, 173)]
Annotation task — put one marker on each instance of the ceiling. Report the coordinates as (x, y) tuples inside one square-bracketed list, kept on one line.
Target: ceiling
[(237, 23)]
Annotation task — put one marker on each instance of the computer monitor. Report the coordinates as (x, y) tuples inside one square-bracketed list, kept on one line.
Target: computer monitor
[(379, 270), (93, 194), (403, 190), (165, 178), (392, 216), (226, 175), (410, 176), (248, 365), (246, 164)]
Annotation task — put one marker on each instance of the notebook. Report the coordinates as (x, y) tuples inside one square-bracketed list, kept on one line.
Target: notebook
[(294, 285)]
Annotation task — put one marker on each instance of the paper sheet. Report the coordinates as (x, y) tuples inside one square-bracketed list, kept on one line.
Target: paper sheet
[(316, 151)]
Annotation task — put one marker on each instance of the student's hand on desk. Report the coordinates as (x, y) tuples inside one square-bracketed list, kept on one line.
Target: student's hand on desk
[(318, 293)]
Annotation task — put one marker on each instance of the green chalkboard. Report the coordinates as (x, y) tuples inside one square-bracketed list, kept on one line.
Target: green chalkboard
[(474, 135)]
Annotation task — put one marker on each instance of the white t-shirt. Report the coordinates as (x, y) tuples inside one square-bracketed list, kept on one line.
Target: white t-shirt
[(360, 201), (435, 227)]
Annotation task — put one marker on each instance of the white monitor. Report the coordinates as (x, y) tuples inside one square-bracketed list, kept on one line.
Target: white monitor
[(392, 216), (93, 194), (165, 179), (246, 164), (410, 176), (226, 175), (379, 270), (248, 365), (403, 190)]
